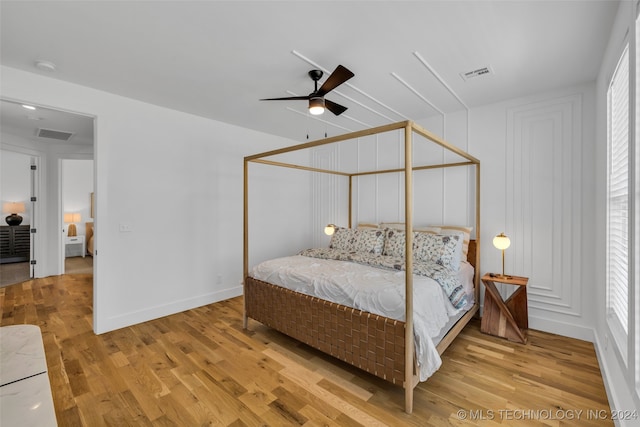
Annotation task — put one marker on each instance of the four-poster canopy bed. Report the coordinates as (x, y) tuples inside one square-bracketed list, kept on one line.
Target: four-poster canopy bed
[(378, 344)]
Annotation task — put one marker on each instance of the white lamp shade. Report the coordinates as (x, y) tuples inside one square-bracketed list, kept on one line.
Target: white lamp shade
[(316, 106), (330, 229), (501, 242), (13, 207), (71, 218)]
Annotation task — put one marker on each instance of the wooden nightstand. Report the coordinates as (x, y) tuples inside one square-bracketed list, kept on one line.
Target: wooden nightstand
[(507, 319)]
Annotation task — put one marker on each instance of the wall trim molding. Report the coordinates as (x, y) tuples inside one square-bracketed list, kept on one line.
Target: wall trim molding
[(544, 199)]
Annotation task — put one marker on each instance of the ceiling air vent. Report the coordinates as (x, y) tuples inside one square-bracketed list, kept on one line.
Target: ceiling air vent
[(54, 134), (484, 71)]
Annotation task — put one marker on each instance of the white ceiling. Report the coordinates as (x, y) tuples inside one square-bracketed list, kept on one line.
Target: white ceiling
[(217, 58), (19, 121)]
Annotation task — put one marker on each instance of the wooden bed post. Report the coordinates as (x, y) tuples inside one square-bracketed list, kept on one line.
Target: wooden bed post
[(477, 275), (350, 198), (245, 248), (409, 351)]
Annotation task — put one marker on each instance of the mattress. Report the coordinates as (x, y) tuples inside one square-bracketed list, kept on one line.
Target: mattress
[(375, 290)]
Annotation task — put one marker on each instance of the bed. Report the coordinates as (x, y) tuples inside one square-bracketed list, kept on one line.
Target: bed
[(381, 345)]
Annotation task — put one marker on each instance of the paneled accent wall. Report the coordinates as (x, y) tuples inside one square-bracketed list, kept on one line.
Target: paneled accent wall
[(440, 195), (543, 179), (325, 193)]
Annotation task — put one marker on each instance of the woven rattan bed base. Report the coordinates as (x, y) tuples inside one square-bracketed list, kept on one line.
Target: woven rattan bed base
[(368, 341)]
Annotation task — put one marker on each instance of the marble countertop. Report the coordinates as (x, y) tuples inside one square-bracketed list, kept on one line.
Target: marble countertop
[(25, 391)]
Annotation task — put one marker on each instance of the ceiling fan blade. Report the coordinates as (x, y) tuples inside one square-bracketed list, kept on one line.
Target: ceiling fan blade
[(289, 98), (336, 109), (339, 76)]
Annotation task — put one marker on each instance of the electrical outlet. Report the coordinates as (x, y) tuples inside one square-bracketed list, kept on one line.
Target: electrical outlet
[(606, 342), (219, 280)]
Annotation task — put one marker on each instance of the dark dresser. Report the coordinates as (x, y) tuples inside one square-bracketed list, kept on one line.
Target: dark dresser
[(14, 243)]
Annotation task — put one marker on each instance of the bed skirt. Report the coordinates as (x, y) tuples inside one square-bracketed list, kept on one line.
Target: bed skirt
[(368, 341)]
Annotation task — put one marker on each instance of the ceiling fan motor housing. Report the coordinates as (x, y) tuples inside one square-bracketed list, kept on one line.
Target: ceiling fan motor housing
[(315, 75)]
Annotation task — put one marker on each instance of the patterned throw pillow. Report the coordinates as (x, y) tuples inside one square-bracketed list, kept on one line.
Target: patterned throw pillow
[(343, 239), (358, 240), (395, 243), (370, 240), (466, 235), (442, 249)]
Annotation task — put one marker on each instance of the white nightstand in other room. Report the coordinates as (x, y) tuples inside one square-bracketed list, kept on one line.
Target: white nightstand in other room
[(76, 240)]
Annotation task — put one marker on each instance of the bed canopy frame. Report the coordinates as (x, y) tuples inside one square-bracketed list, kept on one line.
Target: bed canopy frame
[(410, 128)]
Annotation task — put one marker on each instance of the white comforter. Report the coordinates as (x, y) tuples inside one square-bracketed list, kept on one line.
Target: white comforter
[(370, 289)]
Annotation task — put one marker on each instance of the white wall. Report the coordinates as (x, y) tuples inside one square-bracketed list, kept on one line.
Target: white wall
[(176, 181), (537, 180), (15, 182), (380, 198)]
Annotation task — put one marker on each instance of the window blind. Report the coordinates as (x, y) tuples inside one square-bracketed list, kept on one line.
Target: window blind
[(618, 194)]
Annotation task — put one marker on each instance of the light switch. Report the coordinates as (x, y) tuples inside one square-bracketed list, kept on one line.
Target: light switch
[(125, 228)]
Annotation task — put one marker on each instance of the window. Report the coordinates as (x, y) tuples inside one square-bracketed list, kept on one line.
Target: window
[(618, 204)]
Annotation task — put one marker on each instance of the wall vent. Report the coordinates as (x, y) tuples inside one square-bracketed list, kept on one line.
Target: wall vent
[(483, 71), (54, 134)]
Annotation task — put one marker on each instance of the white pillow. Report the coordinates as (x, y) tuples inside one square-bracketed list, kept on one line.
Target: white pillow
[(367, 225)]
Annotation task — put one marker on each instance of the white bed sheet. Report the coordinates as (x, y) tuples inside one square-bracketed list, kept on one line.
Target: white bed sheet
[(370, 289)]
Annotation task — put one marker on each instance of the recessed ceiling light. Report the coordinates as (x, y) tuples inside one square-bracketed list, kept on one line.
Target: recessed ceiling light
[(45, 65), (28, 107)]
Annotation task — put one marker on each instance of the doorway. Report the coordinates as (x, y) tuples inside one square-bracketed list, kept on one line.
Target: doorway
[(51, 136), (78, 231), (17, 188)]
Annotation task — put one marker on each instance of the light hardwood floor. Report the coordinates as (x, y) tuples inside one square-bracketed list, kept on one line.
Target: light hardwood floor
[(201, 368), (18, 272)]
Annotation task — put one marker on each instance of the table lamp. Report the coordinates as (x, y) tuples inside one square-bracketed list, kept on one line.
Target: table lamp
[(13, 208), (71, 218), (501, 242), (330, 229)]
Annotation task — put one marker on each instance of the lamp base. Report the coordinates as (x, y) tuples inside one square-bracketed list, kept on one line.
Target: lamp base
[(72, 230), (14, 219)]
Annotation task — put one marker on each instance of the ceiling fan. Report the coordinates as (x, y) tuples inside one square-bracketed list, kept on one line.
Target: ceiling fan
[(317, 103)]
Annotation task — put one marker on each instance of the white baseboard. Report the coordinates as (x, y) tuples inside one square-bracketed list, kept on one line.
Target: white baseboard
[(615, 382), (561, 328), (128, 319)]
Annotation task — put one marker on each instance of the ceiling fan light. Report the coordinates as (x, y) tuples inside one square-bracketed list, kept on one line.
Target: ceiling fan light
[(316, 106)]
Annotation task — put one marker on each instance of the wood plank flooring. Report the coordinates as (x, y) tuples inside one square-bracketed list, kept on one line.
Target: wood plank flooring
[(201, 368)]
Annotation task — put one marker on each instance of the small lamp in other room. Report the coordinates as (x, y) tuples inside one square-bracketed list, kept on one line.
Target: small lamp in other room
[(330, 229), (71, 219), (13, 208), (501, 242)]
